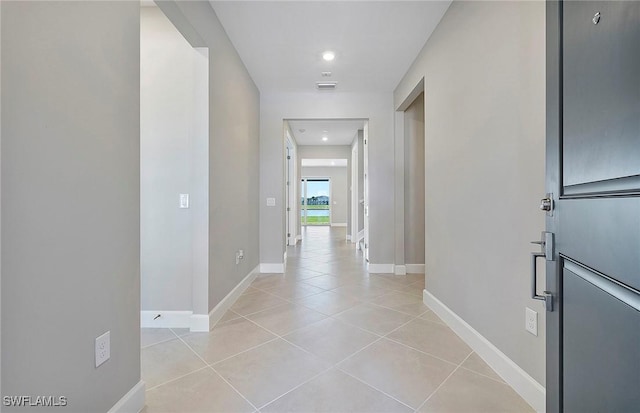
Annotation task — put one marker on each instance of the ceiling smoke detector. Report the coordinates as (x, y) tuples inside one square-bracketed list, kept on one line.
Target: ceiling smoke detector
[(326, 85)]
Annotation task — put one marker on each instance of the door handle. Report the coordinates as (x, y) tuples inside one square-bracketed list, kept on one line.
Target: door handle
[(546, 244), (547, 297)]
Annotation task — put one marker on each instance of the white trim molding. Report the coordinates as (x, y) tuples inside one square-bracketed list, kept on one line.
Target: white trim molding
[(380, 268), (221, 308), (132, 402), (400, 270), (526, 386), (348, 237), (415, 268), (298, 237), (167, 319), (272, 268), (338, 224)]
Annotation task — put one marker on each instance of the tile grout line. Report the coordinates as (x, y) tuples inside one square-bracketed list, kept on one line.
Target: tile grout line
[(443, 382), (220, 375), (373, 387), (177, 378)]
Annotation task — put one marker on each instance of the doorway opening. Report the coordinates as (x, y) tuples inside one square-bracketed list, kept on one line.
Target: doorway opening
[(330, 182), (315, 204), (174, 176), (411, 184)]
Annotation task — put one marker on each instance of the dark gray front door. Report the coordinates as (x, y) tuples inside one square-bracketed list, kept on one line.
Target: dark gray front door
[(593, 173)]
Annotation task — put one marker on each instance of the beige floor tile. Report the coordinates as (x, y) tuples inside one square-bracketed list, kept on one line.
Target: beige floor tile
[(406, 374), (292, 291), (332, 392), (466, 391), (329, 303), (475, 363), (151, 336), (181, 331), (361, 291), (433, 338), (202, 391), (286, 318), (372, 318), (405, 303), (167, 361), (410, 289), (431, 316), (269, 371), (326, 282), (228, 316), (270, 280), (252, 303), (227, 339), (331, 340)]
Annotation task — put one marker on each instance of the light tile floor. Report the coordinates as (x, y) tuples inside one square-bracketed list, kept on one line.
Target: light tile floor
[(326, 336)]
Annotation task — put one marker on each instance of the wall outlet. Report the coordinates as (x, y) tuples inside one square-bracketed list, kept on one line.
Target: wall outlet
[(271, 202), (103, 348), (184, 201), (531, 321)]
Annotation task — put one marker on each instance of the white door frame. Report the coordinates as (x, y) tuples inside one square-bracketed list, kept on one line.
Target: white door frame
[(291, 191), (355, 202)]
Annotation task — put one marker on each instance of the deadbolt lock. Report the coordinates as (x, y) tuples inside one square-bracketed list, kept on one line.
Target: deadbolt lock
[(546, 204)]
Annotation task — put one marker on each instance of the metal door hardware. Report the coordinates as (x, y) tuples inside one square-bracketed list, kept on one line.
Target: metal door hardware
[(546, 204), (546, 246), (596, 18)]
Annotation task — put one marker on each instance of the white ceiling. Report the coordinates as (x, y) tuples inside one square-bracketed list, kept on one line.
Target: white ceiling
[(338, 131), (281, 42), (333, 163)]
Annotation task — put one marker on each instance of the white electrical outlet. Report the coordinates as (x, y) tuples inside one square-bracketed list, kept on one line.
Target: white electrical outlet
[(184, 201), (103, 348), (531, 321)]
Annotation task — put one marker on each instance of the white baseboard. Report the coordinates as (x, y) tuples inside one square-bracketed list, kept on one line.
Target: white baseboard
[(272, 268), (298, 238), (380, 268), (338, 224), (167, 319), (132, 402), (348, 237), (219, 310), (525, 385), (415, 268), (400, 270)]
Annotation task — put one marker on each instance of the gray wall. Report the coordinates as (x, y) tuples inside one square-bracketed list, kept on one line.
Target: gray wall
[(339, 189), (484, 74), (414, 194), (378, 108), (234, 147), (70, 199), (174, 159)]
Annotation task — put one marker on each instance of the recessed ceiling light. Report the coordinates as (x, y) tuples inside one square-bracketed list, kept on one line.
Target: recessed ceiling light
[(324, 138), (328, 55)]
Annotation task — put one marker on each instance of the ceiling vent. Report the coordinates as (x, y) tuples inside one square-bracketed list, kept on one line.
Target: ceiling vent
[(326, 85)]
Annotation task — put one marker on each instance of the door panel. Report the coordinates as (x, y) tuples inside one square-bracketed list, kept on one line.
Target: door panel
[(601, 348), (593, 176), (601, 79), (604, 234)]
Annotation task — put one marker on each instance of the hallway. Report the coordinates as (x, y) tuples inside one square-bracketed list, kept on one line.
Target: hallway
[(326, 336)]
